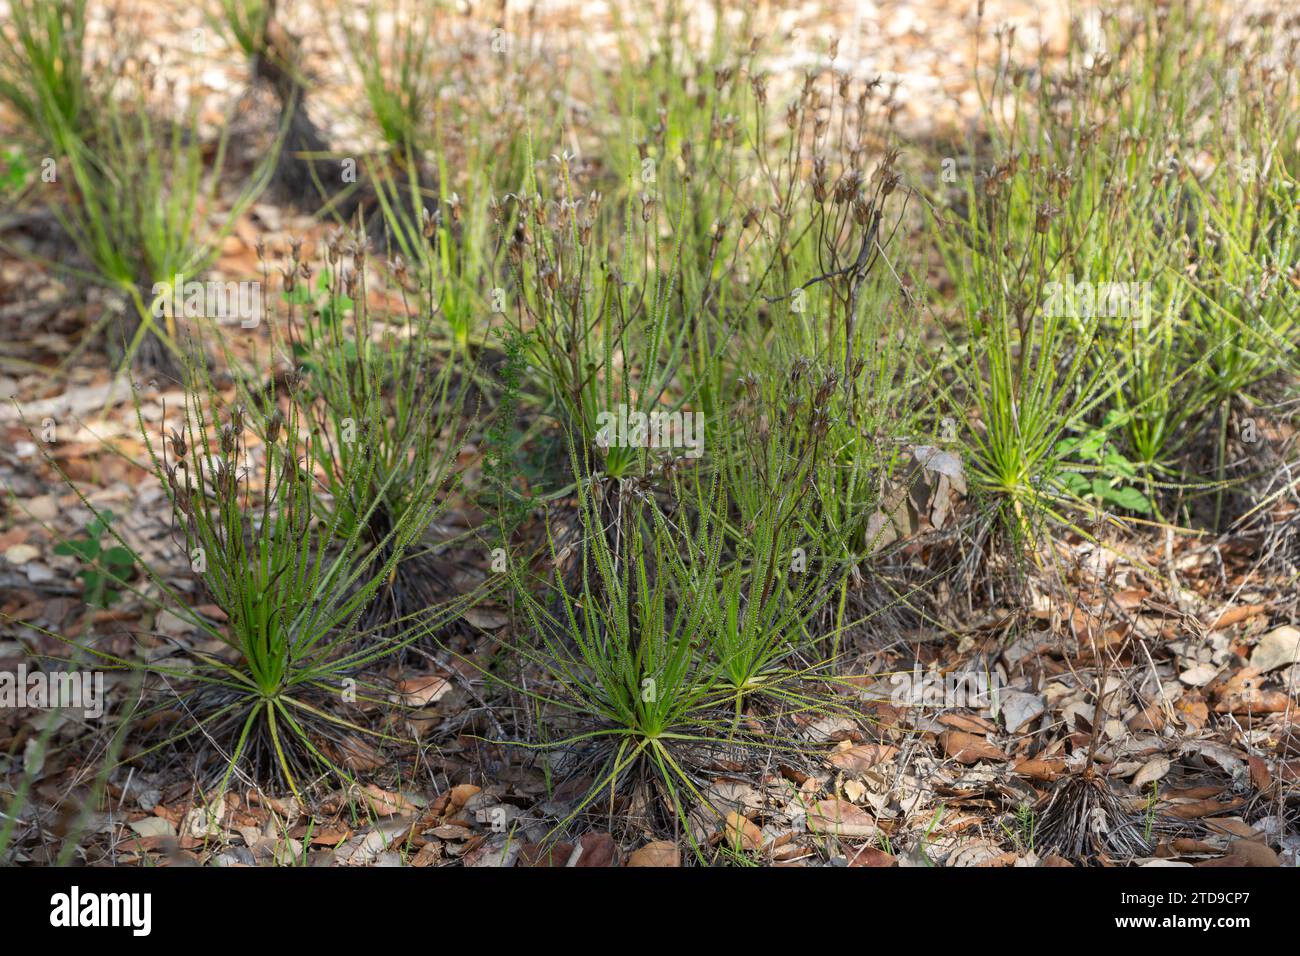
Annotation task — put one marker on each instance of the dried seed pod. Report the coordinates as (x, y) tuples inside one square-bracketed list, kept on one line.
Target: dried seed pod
[(273, 426), (222, 479), (179, 445), (862, 211), (819, 179), (1043, 218), (847, 186), (820, 423), (825, 389), (397, 266)]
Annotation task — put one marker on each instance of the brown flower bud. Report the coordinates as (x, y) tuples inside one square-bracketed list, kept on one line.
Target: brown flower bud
[(178, 443)]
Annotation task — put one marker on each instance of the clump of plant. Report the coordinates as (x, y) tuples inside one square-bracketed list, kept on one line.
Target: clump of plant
[(807, 304), (763, 632), (292, 572), (394, 56), (377, 390), (1167, 235), (138, 191), (678, 649), (1026, 372), (602, 310), (290, 577), (828, 457), (1112, 480), (43, 69)]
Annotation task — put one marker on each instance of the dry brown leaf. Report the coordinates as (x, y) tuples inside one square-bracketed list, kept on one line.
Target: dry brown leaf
[(741, 833), (356, 754), (658, 853), (485, 618), (1259, 775), (840, 818), (970, 723), (461, 793), (968, 748), (385, 803), (1235, 615), (1201, 808), (1036, 769), (873, 856), (596, 850), (1151, 771), (422, 690), (1277, 648), (1193, 710), (1246, 853), (543, 855), (860, 757)]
